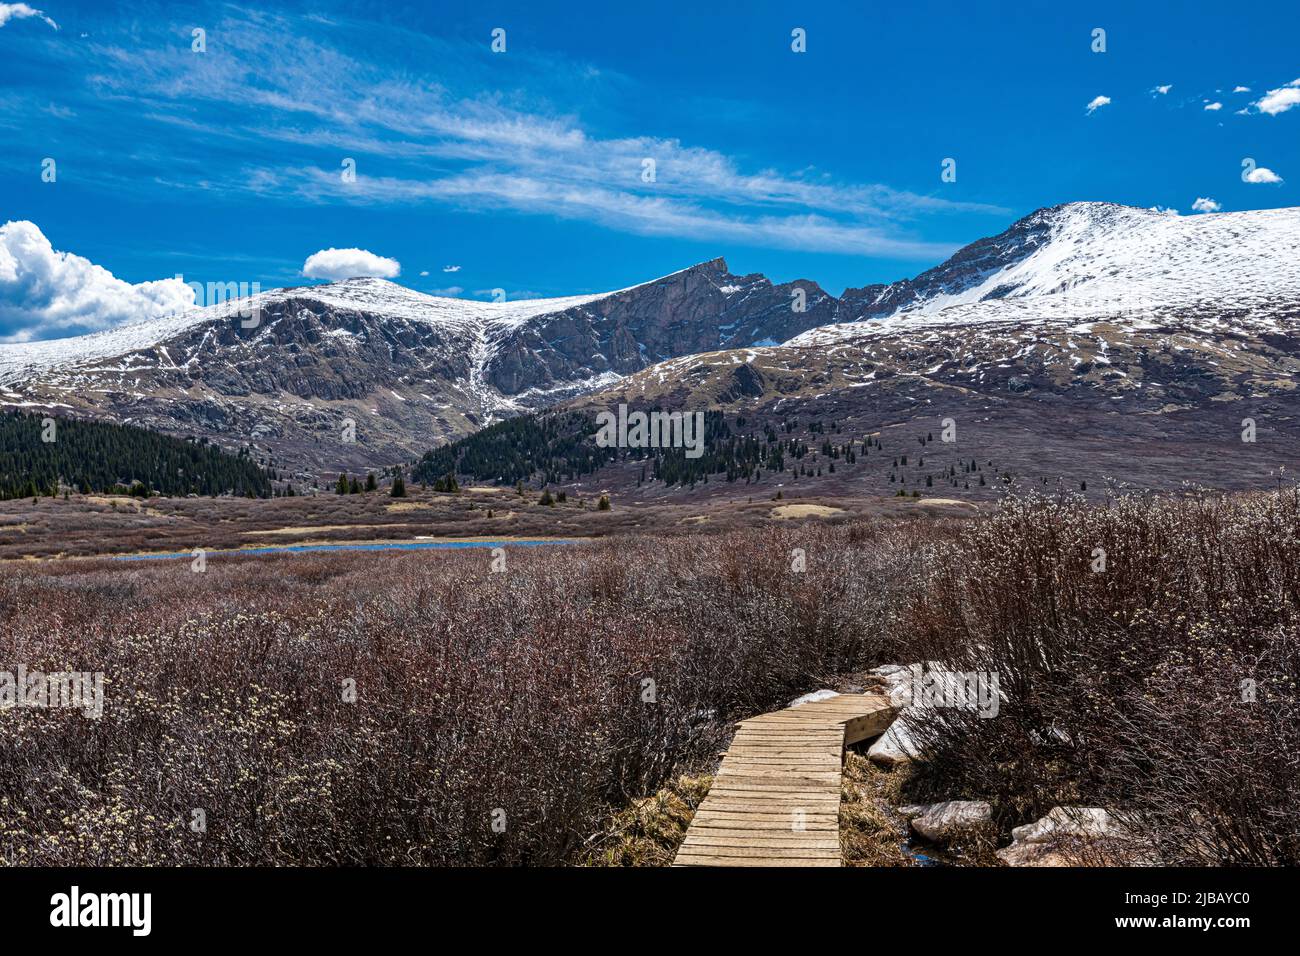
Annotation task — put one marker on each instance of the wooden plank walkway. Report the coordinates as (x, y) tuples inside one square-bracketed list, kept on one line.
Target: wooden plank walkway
[(776, 798)]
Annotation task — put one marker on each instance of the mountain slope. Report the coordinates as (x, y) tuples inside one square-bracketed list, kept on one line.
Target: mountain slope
[(1150, 340), (1089, 308), (1093, 258), (364, 371)]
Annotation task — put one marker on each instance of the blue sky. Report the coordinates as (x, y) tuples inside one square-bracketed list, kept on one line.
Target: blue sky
[(524, 169)]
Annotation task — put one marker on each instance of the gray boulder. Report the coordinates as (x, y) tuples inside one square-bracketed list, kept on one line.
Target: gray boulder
[(952, 819)]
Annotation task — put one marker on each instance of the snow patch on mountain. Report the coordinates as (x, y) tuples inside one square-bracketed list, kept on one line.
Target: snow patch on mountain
[(1104, 261)]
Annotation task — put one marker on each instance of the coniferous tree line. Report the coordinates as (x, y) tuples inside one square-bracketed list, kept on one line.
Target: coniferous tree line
[(559, 447), (99, 457)]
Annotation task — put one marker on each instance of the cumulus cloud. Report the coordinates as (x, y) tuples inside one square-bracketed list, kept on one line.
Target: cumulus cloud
[(1205, 204), (451, 290), (349, 263), (1262, 174), (1281, 99), (451, 268), (424, 272), (21, 11), (1096, 103), (1162, 90), (1214, 106), (1241, 89), (45, 293)]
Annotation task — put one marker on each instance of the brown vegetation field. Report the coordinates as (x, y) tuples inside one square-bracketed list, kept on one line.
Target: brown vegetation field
[(87, 525), (513, 716)]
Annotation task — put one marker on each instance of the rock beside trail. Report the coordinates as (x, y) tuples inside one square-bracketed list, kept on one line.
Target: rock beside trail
[(1085, 823), (1033, 854), (895, 746), (1068, 836), (950, 820), (905, 685), (814, 696), (897, 680)]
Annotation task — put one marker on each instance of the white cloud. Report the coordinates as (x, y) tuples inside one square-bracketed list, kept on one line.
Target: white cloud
[(1281, 99), (1162, 90), (1214, 106), (1262, 174), (45, 293), (451, 290), (21, 11), (424, 272), (451, 142), (451, 268), (1097, 102), (1204, 204), (1241, 89), (640, 215), (349, 263)]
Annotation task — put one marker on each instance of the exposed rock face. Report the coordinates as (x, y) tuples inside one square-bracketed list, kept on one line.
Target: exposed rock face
[(702, 309)]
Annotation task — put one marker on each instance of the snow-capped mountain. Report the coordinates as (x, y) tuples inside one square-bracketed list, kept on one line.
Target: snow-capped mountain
[(1086, 305), (1086, 274), (1091, 258), (364, 371), (1137, 335)]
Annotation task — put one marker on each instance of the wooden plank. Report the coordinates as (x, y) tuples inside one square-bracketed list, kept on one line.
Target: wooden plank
[(752, 861), (763, 852), (713, 838), (775, 798)]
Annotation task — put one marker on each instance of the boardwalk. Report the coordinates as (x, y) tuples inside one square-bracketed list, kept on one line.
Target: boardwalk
[(776, 798)]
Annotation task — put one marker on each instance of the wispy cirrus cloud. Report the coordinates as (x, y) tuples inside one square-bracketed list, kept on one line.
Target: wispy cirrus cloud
[(279, 102)]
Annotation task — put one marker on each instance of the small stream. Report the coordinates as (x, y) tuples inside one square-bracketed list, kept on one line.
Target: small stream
[(359, 546)]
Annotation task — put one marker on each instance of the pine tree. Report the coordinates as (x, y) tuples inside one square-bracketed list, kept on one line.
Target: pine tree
[(399, 487), (371, 484)]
